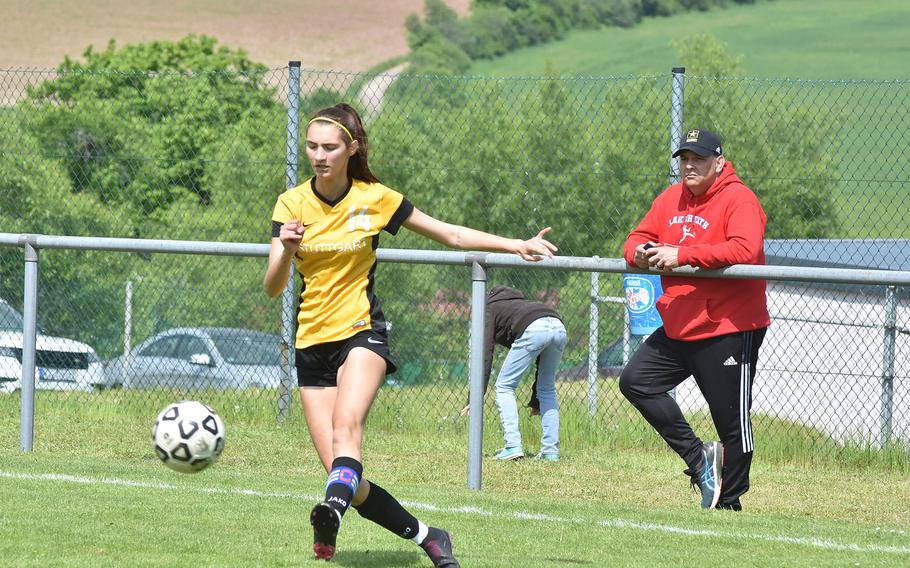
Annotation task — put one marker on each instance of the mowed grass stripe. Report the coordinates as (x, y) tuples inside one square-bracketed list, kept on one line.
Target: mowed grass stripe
[(619, 524)]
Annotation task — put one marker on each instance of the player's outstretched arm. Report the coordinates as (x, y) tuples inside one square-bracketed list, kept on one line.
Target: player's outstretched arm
[(464, 238)]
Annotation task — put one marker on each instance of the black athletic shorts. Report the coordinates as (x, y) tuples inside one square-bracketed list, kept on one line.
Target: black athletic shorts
[(317, 365)]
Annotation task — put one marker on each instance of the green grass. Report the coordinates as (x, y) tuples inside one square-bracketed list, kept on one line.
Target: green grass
[(829, 39), (91, 493)]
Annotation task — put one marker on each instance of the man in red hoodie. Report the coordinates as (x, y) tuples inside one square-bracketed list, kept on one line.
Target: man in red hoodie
[(712, 328)]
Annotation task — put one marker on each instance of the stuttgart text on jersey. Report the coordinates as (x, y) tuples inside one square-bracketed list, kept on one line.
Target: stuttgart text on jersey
[(351, 246)]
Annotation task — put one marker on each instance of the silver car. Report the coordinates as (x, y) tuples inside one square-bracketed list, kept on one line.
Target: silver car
[(201, 358)]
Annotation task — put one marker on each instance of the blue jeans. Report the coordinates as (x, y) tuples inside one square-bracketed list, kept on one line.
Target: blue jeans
[(545, 337)]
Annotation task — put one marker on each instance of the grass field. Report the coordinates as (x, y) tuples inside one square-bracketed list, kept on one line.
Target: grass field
[(827, 39), (93, 494)]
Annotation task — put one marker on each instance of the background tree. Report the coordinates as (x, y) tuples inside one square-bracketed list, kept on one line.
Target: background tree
[(133, 126), (177, 140), (781, 152), (36, 198)]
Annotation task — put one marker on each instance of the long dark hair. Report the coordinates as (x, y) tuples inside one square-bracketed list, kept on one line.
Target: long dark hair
[(358, 168)]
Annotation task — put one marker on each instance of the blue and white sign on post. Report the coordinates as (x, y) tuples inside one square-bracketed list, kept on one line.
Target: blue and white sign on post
[(642, 291)]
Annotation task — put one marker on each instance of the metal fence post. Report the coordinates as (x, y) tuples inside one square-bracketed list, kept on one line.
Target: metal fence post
[(29, 339), (128, 319), (128, 331), (293, 135), (888, 364), (594, 336), (594, 313), (475, 417), (676, 118), (287, 297)]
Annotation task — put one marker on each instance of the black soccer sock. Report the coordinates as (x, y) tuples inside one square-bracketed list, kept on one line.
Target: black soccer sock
[(387, 512), (342, 483)]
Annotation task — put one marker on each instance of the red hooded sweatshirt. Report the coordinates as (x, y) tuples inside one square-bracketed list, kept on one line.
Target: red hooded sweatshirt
[(723, 226)]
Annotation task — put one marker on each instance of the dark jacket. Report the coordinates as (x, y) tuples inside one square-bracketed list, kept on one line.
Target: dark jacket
[(508, 314)]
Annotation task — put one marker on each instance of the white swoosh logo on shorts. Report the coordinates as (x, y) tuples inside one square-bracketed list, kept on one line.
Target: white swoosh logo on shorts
[(371, 340)]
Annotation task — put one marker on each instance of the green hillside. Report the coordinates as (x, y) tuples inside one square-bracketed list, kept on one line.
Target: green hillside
[(822, 39)]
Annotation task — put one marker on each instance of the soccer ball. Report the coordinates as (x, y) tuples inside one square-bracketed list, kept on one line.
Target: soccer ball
[(188, 436)]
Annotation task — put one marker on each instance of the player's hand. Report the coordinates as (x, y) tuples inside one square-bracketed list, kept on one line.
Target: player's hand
[(465, 411), (536, 248), (291, 234)]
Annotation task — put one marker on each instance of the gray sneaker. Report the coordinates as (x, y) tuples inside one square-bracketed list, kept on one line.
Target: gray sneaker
[(708, 480)]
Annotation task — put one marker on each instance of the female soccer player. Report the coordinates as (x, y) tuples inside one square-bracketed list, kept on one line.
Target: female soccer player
[(329, 226)]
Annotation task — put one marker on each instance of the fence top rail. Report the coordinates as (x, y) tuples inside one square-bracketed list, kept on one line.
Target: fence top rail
[(134, 245), (490, 260)]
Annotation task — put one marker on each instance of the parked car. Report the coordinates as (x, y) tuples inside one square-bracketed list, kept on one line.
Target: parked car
[(60, 364), (610, 361), (200, 358)]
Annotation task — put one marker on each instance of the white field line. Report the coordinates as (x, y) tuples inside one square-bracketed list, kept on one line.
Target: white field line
[(823, 543)]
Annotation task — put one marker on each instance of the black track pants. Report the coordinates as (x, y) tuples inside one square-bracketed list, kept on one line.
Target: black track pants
[(723, 368)]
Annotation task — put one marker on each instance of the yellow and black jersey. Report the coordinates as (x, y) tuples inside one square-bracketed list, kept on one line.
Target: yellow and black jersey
[(337, 256)]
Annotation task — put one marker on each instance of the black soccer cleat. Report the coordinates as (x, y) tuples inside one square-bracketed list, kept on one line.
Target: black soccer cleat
[(325, 523), (438, 546)]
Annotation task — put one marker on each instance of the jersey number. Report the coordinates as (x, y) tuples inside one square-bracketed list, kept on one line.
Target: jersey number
[(358, 220)]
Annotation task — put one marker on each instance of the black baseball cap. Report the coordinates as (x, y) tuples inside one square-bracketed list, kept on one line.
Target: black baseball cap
[(702, 142)]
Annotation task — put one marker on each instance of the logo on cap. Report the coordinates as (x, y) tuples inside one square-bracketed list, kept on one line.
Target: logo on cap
[(692, 136)]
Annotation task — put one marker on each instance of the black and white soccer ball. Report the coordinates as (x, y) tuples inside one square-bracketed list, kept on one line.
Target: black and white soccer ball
[(188, 436)]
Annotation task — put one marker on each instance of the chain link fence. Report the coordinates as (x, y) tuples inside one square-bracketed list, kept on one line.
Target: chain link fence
[(203, 157)]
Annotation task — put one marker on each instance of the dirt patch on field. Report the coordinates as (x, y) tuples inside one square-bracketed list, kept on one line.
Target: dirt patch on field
[(340, 35)]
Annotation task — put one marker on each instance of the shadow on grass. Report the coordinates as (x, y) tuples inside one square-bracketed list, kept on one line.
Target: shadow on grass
[(401, 559), (556, 560), (377, 558)]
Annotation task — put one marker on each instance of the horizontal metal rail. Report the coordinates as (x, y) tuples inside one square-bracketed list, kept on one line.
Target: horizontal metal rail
[(490, 260)]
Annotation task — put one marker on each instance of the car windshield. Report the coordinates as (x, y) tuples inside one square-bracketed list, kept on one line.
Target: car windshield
[(10, 320), (248, 347)]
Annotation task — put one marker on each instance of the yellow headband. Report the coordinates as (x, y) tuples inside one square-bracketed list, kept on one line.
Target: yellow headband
[(335, 122)]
